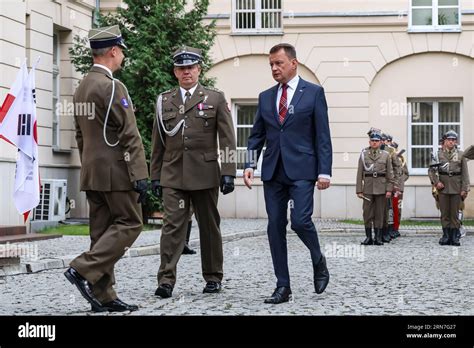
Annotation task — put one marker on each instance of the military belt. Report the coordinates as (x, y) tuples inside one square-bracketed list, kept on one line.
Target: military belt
[(450, 173), (375, 175)]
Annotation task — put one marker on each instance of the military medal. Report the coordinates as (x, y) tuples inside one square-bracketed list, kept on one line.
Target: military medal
[(200, 107)]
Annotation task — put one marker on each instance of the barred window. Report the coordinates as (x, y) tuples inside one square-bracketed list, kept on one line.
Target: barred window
[(435, 15), (257, 16), (245, 116), (429, 120)]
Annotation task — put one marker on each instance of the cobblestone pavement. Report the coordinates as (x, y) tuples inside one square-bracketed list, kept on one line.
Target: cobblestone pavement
[(410, 276), (75, 245)]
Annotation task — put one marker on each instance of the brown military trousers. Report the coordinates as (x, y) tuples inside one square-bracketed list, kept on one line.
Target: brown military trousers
[(177, 205), (115, 223), (374, 210), (449, 206)]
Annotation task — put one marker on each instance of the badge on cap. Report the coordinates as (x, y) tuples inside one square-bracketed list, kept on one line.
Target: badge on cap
[(124, 102)]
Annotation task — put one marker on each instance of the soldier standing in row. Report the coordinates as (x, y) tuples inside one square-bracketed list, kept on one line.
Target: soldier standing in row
[(185, 169), (397, 200), (389, 216), (451, 179), (374, 185)]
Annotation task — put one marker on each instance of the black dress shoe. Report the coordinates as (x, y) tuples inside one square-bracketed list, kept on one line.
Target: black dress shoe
[(280, 295), (164, 291), (212, 287), (321, 276), (82, 285), (116, 305), (187, 250)]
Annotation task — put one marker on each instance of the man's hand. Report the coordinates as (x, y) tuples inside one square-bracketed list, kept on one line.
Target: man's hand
[(323, 183), (360, 195), (248, 177), (463, 195), (156, 188), (439, 186), (400, 195), (227, 184), (388, 194), (141, 186)]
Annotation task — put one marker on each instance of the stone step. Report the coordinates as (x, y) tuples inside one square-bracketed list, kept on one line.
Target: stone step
[(12, 230), (9, 261), (30, 237)]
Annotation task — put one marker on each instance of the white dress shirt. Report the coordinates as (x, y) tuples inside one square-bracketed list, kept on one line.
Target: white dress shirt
[(183, 92), (290, 92)]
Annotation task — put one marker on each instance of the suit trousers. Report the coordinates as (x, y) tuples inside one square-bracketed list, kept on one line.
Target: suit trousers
[(177, 204), (115, 223), (449, 207), (281, 192)]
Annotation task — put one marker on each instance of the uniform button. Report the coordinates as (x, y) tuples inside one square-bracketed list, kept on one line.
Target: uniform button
[(281, 130), (185, 149), (185, 116), (186, 138), (186, 126)]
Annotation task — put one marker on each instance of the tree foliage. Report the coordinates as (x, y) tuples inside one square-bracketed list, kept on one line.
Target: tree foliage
[(152, 30)]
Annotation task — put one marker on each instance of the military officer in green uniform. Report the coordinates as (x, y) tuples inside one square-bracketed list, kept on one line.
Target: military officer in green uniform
[(113, 171), (374, 185), (451, 179), (190, 120)]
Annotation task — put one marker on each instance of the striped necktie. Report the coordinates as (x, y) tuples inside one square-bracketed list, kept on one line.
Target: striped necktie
[(282, 106)]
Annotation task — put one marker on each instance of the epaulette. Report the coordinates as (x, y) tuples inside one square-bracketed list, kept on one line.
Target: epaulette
[(169, 90), (212, 89)]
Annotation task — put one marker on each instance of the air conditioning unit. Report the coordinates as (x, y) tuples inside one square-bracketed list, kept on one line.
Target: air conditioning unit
[(52, 206)]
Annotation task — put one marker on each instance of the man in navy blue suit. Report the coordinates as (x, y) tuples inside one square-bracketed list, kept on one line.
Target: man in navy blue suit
[(292, 119)]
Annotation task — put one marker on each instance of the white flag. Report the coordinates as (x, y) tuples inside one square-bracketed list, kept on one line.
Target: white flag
[(19, 127), (12, 95)]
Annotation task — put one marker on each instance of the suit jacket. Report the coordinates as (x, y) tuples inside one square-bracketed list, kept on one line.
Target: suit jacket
[(382, 164), (106, 168), (189, 160), (303, 141), (451, 163)]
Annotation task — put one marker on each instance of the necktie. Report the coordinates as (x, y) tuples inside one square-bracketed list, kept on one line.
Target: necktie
[(282, 107), (187, 97)]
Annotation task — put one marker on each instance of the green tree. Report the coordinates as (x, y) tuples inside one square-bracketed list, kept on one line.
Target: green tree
[(152, 30)]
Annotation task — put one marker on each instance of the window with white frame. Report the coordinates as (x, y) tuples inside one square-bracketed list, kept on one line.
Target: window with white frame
[(245, 116), (435, 15), (429, 120), (257, 16), (56, 92)]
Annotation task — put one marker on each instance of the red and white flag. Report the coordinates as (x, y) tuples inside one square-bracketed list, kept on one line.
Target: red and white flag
[(19, 128), (15, 89)]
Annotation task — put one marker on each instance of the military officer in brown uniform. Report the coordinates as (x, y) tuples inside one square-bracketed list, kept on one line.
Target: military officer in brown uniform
[(389, 216), (451, 179), (469, 153), (190, 119), (374, 185), (113, 171), (397, 199)]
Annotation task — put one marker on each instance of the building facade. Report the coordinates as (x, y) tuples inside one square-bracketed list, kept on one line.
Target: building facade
[(405, 66)]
